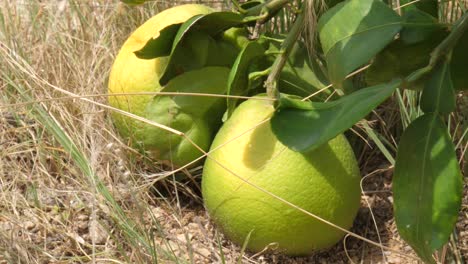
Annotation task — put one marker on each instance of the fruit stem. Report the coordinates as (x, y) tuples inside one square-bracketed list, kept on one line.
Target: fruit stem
[(272, 81)]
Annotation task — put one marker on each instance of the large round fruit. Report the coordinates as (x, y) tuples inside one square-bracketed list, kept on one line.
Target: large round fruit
[(130, 74), (324, 182)]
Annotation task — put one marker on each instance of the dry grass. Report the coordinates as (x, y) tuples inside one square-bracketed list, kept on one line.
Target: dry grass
[(72, 192)]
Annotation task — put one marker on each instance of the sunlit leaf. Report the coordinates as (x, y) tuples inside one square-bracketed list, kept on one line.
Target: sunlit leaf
[(427, 186), (352, 32), (303, 126)]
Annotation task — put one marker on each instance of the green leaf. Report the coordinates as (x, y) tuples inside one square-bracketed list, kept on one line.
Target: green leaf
[(197, 43), (400, 59), (418, 26), (303, 126), (301, 74), (430, 7), (196, 116), (427, 186), (438, 95), (238, 82), (353, 32), (160, 46), (207, 80), (459, 64)]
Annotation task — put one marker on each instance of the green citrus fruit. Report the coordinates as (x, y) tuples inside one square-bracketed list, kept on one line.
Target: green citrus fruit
[(325, 182)]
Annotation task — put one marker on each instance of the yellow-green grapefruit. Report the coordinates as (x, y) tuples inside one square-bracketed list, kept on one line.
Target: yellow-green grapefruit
[(325, 182), (131, 74)]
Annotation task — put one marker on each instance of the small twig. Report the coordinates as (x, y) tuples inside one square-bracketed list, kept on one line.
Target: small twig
[(286, 47)]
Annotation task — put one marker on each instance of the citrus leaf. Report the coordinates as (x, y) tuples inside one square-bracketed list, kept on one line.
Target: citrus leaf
[(196, 116), (301, 75), (427, 186), (238, 82), (344, 28), (177, 42), (438, 95), (430, 7), (211, 25), (160, 46), (399, 59), (207, 80), (418, 26), (459, 64), (303, 126)]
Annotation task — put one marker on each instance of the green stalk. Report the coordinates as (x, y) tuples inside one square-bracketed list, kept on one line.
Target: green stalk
[(272, 81)]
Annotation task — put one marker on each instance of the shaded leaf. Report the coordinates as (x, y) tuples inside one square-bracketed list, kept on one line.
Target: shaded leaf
[(427, 186), (430, 7), (400, 59), (302, 75), (238, 82), (198, 39), (160, 46), (303, 126), (344, 28), (459, 64), (418, 26), (438, 95)]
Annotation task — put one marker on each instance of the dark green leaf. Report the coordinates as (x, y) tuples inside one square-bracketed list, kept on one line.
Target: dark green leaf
[(302, 75), (400, 59), (353, 32), (303, 126), (459, 64), (250, 4), (197, 43), (197, 50), (418, 26), (238, 82), (160, 46), (209, 27), (430, 7), (438, 95), (427, 186)]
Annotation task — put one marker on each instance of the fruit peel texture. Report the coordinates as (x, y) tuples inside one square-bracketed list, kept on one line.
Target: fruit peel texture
[(324, 182)]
